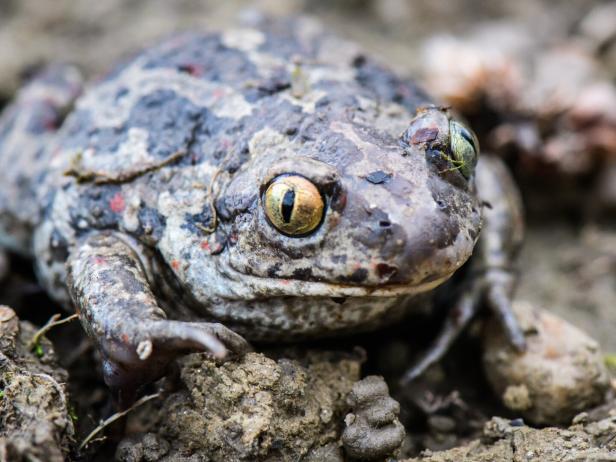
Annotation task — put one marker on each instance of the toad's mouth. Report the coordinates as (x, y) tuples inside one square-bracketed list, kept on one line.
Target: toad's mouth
[(266, 287)]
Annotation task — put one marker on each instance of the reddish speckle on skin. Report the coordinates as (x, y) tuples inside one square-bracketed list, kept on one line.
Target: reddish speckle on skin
[(117, 204), (205, 245), (285, 282), (218, 93), (99, 260), (125, 338), (175, 264), (424, 135)]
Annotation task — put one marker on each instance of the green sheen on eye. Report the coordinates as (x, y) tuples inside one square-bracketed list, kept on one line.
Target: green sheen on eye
[(464, 148)]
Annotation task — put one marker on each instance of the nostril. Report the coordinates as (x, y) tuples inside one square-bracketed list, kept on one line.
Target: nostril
[(384, 224)]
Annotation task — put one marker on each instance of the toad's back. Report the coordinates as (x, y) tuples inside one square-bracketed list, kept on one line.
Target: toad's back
[(202, 97)]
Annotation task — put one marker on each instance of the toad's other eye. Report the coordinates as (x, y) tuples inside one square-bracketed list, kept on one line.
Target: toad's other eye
[(293, 205), (464, 148)]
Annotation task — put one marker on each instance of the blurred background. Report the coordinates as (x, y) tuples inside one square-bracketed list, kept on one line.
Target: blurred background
[(534, 77)]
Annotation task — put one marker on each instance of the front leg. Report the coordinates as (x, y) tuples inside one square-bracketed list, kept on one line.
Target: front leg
[(108, 284), (492, 278), (499, 244)]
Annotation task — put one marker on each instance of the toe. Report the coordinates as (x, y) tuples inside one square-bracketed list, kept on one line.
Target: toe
[(233, 341)]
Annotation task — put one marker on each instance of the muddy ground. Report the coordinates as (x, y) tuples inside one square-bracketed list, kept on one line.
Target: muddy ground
[(568, 264)]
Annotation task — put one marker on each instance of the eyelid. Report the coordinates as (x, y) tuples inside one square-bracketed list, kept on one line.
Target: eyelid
[(323, 175)]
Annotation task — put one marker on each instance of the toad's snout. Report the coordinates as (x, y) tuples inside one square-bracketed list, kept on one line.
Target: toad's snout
[(408, 244)]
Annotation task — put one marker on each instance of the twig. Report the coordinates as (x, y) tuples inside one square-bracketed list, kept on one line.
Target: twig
[(53, 322), (114, 417)]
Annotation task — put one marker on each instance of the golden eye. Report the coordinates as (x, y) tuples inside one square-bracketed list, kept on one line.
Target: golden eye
[(293, 205), (464, 148)]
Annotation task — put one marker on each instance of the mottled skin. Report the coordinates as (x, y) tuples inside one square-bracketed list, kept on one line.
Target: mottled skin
[(146, 202)]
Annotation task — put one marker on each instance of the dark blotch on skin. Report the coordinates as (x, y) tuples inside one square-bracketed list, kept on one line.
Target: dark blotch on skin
[(378, 177), (358, 276), (302, 273), (279, 82), (273, 270), (94, 206), (151, 223), (386, 271), (196, 222), (170, 117)]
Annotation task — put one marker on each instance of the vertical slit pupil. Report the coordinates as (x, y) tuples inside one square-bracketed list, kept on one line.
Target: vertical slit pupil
[(287, 205)]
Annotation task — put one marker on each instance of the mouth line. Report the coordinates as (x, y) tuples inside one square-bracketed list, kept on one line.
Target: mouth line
[(303, 288)]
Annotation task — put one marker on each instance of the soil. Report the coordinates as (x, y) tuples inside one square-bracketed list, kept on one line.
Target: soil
[(504, 440), (254, 409), (567, 266), (36, 418)]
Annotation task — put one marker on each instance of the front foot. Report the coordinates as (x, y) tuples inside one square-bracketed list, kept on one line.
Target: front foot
[(151, 346), (373, 430), (108, 284)]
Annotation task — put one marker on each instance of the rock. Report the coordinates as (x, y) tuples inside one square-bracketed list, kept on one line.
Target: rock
[(502, 441), (561, 373), (256, 408), (35, 422)]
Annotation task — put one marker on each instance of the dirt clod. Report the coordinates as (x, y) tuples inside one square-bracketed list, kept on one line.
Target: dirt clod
[(503, 441), (35, 422), (373, 430), (561, 373), (257, 409)]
